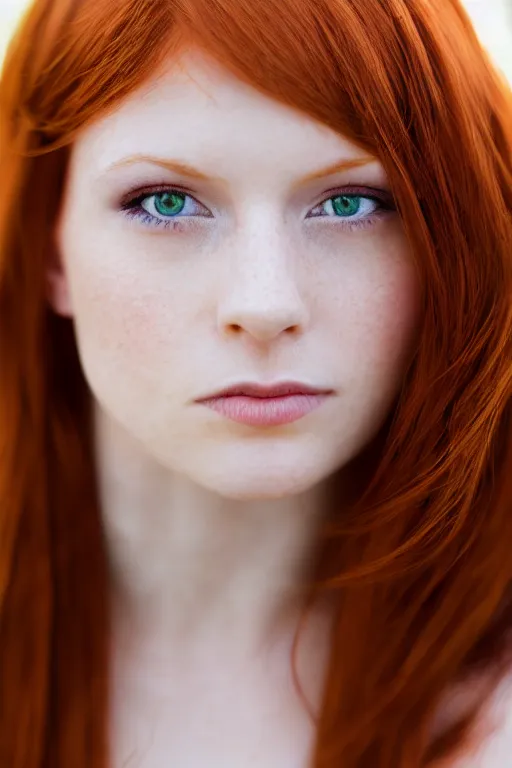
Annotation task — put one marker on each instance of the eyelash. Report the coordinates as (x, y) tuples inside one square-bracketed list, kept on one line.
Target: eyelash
[(132, 208)]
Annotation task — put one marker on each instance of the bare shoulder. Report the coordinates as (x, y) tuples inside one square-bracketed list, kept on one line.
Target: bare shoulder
[(494, 736)]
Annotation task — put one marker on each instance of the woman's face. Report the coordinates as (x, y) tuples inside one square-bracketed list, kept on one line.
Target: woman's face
[(240, 260)]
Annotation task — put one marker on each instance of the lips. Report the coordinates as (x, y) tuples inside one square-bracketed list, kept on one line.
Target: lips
[(264, 391), (271, 405)]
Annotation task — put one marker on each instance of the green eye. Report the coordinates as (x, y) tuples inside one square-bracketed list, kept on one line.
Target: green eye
[(169, 203), (176, 210), (346, 205)]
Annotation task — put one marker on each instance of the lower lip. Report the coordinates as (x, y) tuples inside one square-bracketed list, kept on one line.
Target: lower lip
[(265, 411)]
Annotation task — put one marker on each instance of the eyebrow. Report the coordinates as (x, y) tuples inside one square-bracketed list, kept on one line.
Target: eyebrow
[(177, 166)]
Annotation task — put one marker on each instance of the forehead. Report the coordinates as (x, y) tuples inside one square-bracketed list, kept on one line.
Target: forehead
[(196, 106)]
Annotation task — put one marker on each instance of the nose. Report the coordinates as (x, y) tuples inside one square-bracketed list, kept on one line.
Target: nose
[(262, 299)]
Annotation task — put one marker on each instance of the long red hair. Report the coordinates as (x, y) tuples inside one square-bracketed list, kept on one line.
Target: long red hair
[(420, 567)]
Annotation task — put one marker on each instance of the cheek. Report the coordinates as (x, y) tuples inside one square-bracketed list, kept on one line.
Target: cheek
[(125, 326), (376, 321), (394, 305), (371, 292), (388, 323)]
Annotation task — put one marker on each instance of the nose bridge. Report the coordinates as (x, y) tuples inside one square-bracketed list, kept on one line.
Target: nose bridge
[(263, 296)]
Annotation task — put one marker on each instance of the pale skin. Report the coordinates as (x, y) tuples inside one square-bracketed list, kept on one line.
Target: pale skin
[(211, 524)]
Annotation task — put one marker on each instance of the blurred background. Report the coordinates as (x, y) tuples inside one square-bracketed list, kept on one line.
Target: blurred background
[(492, 20)]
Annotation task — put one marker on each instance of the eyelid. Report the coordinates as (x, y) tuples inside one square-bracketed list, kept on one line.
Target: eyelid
[(132, 207), (376, 193), (384, 196), (155, 189)]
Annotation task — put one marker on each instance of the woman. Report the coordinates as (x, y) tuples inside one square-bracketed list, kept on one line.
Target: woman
[(255, 395)]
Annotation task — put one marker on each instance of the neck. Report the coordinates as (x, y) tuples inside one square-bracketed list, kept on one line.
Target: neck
[(191, 569)]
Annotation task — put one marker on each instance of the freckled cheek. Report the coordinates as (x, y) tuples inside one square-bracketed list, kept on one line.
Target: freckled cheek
[(394, 320), (129, 326), (379, 320)]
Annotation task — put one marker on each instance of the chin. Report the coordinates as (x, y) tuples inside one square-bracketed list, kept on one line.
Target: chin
[(259, 483)]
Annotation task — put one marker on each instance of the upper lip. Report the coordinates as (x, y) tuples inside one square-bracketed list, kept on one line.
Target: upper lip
[(281, 389)]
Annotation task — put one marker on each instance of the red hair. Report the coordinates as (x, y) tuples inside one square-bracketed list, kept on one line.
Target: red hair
[(420, 567)]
